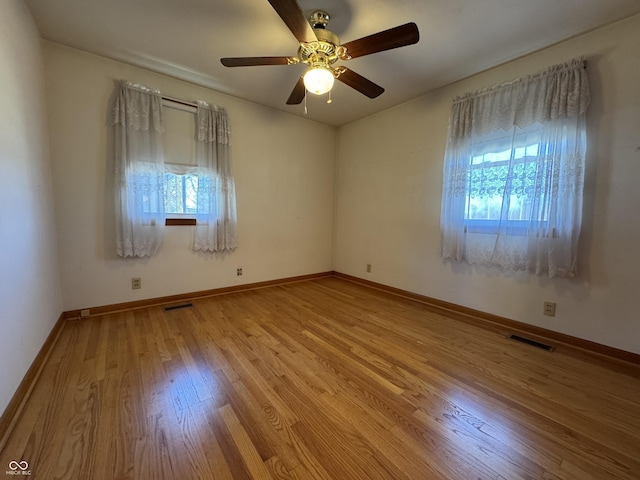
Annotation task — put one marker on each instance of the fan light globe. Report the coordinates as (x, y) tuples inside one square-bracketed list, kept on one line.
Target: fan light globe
[(318, 80)]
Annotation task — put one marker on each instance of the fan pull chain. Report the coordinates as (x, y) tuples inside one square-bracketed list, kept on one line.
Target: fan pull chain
[(329, 99), (305, 103)]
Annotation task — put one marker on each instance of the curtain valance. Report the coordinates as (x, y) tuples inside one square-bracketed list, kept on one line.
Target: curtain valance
[(561, 91), (137, 107), (213, 124)]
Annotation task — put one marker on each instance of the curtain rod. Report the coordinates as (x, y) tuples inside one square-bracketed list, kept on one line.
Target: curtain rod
[(181, 102)]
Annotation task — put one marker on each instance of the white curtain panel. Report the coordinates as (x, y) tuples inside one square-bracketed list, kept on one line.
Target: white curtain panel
[(139, 170), (216, 220), (534, 190)]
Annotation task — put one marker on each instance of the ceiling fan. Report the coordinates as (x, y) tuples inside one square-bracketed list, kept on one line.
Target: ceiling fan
[(321, 48)]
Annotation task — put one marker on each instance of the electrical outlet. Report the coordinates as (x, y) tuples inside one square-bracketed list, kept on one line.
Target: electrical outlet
[(549, 309), (136, 283), (368, 268), (239, 272), (85, 313)]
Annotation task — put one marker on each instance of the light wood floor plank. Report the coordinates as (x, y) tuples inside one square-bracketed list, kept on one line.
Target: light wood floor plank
[(250, 456)]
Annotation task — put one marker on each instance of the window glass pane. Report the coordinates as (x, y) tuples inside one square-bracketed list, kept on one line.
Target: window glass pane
[(172, 193), (181, 194), (190, 183), (505, 179)]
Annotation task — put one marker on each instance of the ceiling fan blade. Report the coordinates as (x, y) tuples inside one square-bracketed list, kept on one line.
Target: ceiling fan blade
[(298, 93), (253, 61), (360, 83), (292, 16), (400, 36)]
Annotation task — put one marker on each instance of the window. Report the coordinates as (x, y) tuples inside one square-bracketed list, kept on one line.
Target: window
[(195, 177), (514, 172), (504, 173), (180, 179)]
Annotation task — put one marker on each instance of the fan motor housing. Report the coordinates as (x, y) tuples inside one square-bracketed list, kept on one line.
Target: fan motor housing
[(324, 49)]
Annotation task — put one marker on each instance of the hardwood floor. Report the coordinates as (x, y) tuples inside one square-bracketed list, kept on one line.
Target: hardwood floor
[(321, 379)]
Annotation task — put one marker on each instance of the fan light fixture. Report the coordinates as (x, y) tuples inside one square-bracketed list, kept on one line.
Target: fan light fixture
[(318, 80), (320, 49)]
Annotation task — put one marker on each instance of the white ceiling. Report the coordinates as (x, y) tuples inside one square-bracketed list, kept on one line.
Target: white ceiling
[(186, 39)]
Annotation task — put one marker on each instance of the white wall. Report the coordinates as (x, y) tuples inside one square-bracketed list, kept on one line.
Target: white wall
[(284, 187), (30, 297), (389, 190)]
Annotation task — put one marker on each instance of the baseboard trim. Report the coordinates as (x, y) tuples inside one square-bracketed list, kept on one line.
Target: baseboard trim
[(14, 409), (152, 302), (487, 319)]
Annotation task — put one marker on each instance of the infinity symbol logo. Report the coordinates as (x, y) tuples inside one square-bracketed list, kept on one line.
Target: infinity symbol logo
[(23, 465)]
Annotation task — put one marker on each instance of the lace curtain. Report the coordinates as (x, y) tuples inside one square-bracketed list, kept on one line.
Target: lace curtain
[(514, 172), (139, 170), (216, 221)]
